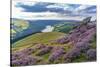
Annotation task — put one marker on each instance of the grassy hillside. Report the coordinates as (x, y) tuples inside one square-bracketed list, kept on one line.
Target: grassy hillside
[(63, 27), (38, 38)]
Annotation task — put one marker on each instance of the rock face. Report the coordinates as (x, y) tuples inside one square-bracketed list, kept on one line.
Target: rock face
[(87, 20)]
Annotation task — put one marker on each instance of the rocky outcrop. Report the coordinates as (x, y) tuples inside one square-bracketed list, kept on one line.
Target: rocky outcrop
[(82, 33)]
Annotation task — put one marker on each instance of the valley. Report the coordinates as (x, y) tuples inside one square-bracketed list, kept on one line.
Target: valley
[(66, 43)]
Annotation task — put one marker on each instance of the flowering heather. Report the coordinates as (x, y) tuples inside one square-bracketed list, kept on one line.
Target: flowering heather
[(40, 46), (28, 51), (62, 41), (83, 46), (83, 29), (55, 55), (44, 51), (28, 60), (17, 55), (91, 54), (79, 34), (57, 48), (70, 55)]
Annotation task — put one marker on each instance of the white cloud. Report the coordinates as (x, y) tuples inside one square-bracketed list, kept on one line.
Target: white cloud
[(53, 6), (29, 3), (82, 12), (63, 6), (77, 18), (82, 7), (16, 10)]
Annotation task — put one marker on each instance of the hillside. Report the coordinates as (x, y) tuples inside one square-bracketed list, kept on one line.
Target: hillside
[(64, 27), (38, 38), (78, 45), (17, 26)]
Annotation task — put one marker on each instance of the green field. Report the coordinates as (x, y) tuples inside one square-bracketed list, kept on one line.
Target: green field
[(38, 38)]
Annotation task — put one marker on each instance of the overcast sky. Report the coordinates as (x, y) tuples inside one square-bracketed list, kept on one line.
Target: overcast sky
[(44, 10)]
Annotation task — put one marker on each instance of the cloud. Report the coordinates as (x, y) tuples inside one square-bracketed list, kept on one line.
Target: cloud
[(37, 7), (91, 11), (82, 7), (85, 10), (50, 11), (28, 3), (63, 6), (17, 12)]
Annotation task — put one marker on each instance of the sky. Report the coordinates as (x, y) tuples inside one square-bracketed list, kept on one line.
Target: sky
[(28, 10)]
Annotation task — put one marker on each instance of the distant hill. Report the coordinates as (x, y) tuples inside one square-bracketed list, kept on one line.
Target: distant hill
[(64, 27), (17, 26)]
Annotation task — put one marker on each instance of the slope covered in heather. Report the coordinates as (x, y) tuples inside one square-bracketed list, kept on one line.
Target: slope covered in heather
[(78, 45)]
